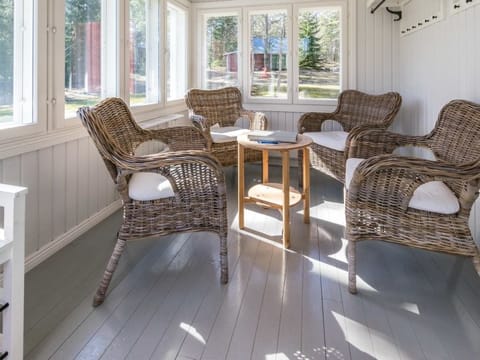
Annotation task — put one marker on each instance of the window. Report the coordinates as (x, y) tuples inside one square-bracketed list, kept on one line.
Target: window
[(83, 54), (144, 40), (294, 52), (319, 53), (220, 50), (176, 56), (268, 53), (16, 63)]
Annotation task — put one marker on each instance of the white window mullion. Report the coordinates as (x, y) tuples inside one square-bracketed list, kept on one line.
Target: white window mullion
[(110, 54), (176, 52), (56, 63), (153, 51)]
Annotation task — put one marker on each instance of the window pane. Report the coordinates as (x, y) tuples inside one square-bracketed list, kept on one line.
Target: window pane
[(268, 54), (221, 52), (83, 48), (177, 53), (16, 62), (6, 61), (319, 53)]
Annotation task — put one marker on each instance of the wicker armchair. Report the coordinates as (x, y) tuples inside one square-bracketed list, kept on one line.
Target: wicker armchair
[(416, 202), (215, 112), (169, 192), (354, 110)]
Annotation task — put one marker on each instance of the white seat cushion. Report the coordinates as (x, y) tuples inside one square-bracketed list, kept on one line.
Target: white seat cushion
[(226, 133), (150, 147), (436, 197), (433, 196), (332, 139), (145, 186)]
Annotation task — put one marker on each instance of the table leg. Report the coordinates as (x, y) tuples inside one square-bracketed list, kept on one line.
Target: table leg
[(286, 198), (306, 186), (265, 166), (241, 186)]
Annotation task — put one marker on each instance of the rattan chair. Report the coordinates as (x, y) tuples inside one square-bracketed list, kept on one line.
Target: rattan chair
[(215, 113), (410, 201), (179, 190), (355, 109)]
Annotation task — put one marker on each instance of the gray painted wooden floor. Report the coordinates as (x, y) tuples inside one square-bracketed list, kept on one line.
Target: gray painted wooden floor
[(166, 301)]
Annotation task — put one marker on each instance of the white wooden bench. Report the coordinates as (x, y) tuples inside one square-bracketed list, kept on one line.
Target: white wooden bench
[(12, 257)]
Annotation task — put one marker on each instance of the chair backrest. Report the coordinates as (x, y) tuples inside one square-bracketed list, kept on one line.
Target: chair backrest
[(357, 108), (456, 136), (113, 130), (220, 106)]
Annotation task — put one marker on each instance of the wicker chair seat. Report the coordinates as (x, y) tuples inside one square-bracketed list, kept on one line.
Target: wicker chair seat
[(355, 110), (411, 201), (335, 140), (179, 189), (212, 110)]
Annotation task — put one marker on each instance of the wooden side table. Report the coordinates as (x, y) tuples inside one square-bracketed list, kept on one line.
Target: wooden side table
[(274, 195)]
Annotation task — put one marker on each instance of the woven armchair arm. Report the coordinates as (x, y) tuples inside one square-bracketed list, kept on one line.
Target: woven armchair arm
[(258, 120), (198, 121), (312, 121), (363, 142), (393, 179), (186, 170), (131, 164), (180, 138)]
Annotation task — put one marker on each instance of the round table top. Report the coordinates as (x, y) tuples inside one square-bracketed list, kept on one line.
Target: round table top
[(302, 141)]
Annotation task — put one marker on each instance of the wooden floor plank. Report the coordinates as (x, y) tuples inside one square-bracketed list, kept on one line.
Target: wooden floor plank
[(96, 317), (156, 283), (221, 333)]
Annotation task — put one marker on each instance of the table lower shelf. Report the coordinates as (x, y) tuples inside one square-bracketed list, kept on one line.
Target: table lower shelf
[(271, 194)]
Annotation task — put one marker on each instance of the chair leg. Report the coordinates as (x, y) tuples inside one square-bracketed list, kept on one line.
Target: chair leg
[(107, 275), (352, 272), (223, 259)]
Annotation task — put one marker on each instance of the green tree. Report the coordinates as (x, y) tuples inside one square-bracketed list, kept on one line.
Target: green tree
[(310, 50), (222, 38)]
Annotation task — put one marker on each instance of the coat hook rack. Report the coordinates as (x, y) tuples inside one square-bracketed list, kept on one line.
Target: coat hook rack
[(372, 11), (395, 12)]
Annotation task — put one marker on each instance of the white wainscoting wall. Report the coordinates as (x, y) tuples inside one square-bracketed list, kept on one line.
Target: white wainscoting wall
[(436, 65)]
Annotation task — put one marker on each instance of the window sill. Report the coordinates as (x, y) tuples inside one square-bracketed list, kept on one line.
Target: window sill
[(40, 140)]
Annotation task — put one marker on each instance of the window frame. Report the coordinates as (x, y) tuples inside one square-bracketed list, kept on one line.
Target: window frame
[(202, 35), (186, 9), (342, 4), (110, 75), (246, 64), (36, 40), (348, 38)]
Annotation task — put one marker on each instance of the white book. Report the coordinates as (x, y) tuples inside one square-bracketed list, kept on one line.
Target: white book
[(273, 136)]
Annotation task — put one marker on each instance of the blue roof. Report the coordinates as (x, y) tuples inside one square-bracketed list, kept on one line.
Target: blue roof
[(258, 45)]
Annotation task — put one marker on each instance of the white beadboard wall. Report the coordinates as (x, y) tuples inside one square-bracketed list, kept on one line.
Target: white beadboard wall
[(436, 65), (70, 189)]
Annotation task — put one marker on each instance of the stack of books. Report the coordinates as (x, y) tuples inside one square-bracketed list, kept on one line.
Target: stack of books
[(272, 136)]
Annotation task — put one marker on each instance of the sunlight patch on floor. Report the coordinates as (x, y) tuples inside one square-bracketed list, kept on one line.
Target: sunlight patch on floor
[(351, 327), (193, 332), (329, 211), (411, 307), (279, 356)]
